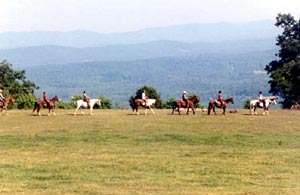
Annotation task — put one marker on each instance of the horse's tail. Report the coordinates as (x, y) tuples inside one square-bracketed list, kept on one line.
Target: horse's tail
[(132, 103), (251, 106), (209, 108), (35, 106), (174, 105)]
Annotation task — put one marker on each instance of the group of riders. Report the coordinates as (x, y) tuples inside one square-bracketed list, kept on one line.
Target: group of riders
[(86, 98)]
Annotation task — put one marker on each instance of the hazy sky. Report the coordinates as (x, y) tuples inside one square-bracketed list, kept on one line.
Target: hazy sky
[(128, 15)]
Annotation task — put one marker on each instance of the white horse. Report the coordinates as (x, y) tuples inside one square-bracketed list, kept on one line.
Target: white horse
[(258, 104), (149, 105), (82, 104)]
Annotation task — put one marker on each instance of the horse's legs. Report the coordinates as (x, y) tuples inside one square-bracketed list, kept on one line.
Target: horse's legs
[(38, 110), (179, 110), (214, 109), (266, 111), (53, 112), (193, 109), (224, 109), (75, 113), (188, 109), (152, 110)]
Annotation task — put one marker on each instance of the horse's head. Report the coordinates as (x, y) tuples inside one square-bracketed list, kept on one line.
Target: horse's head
[(195, 99), (55, 99), (10, 99), (272, 101), (231, 100)]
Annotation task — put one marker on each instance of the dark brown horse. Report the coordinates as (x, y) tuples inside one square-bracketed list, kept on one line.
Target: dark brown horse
[(5, 105), (41, 104), (181, 104), (136, 103), (215, 103)]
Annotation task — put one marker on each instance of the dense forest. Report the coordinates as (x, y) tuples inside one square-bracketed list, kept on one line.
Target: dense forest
[(240, 76)]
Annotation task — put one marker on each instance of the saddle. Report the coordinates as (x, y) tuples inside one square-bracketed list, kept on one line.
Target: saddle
[(45, 105), (219, 103), (87, 103), (183, 103)]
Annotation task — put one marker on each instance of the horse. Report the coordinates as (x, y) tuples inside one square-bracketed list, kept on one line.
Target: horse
[(215, 103), (82, 104), (180, 103), (5, 105), (140, 102), (41, 104), (258, 104)]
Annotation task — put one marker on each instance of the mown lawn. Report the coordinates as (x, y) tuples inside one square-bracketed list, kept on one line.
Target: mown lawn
[(115, 152)]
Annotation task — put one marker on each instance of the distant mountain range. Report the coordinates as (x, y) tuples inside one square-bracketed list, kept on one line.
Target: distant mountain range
[(190, 33), (43, 55), (199, 58)]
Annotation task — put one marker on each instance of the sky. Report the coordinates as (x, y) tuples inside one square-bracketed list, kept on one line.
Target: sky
[(106, 16)]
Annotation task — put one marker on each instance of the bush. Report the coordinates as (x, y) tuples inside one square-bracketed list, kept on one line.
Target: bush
[(169, 103), (64, 105), (25, 101), (106, 103), (247, 104)]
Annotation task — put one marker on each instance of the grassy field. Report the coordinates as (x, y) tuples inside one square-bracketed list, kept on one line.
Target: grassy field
[(114, 152)]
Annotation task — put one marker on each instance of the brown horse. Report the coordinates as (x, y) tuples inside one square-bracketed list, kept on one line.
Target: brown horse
[(135, 104), (5, 105), (180, 103), (214, 103), (41, 104)]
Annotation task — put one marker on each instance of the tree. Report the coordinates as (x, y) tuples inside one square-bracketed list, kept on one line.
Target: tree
[(14, 83), (285, 72)]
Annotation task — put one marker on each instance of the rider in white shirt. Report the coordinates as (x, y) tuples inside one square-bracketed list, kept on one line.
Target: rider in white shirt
[(261, 98), (2, 98), (144, 97)]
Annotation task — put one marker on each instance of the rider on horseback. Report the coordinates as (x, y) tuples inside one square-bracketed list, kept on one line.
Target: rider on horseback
[(46, 99), (144, 97), (86, 99), (185, 98), (2, 98), (261, 98), (220, 98)]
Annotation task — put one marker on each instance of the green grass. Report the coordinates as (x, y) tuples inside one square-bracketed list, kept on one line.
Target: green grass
[(114, 152)]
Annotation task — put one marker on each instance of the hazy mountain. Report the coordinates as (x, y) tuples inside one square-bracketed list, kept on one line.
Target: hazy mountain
[(42, 55), (204, 32)]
